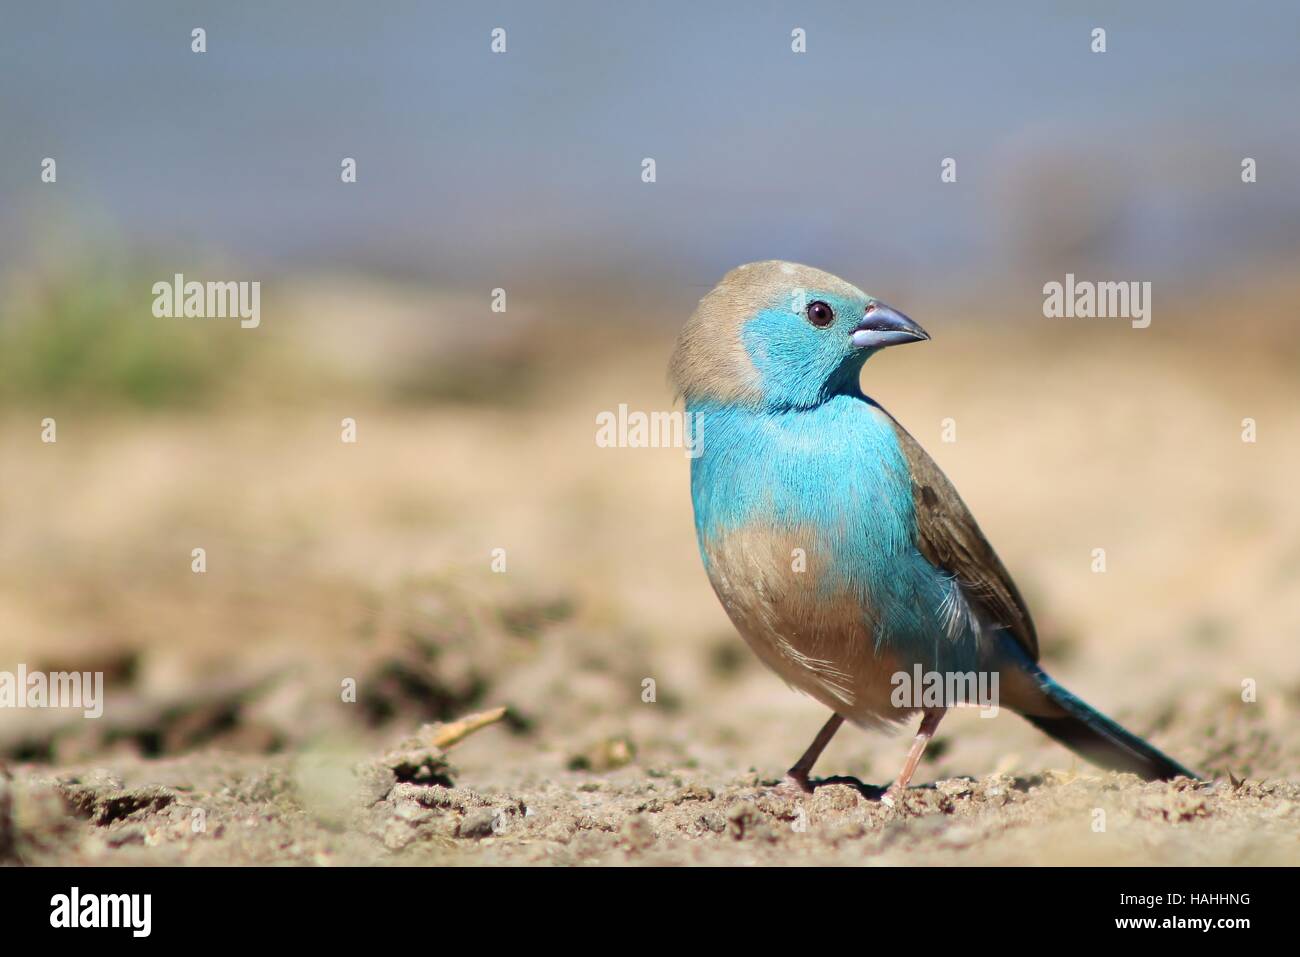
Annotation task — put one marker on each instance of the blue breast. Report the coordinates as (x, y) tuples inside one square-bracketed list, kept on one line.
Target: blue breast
[(838, 470)]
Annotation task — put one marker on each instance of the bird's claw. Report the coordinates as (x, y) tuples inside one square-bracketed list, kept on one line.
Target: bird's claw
[(793, 787)]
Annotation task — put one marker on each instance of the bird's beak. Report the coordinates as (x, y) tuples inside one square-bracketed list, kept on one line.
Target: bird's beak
[(881, 326)]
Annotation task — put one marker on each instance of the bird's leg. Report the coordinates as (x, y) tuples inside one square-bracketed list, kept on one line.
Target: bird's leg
[(930, 719), (796, 779)]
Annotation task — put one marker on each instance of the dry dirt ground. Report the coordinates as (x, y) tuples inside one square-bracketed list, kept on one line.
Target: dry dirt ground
[(229, 735)]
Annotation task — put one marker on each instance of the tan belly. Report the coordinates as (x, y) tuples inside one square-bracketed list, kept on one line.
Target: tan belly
[(820, 645)]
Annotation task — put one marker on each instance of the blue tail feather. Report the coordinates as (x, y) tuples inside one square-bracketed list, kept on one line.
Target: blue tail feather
[(1091, 735), (1081, 727)]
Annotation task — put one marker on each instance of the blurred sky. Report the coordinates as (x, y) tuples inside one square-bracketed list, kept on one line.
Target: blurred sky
[(477, 167)]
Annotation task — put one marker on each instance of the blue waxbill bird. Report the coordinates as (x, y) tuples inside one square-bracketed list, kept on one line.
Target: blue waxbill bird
[(841, 552)]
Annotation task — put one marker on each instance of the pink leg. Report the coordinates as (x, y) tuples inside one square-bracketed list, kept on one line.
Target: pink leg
[(796, 779), (929, 722)]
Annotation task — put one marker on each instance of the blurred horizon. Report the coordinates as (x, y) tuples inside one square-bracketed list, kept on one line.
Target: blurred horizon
[(522, 169)]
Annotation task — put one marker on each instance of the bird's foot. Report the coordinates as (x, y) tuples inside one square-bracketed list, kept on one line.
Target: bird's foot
[(894, 795), (793, 786)]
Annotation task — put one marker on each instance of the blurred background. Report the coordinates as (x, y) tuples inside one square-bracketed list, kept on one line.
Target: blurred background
[(475, 429)]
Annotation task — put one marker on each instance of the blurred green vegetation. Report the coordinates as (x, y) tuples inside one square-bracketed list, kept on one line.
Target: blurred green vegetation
[(77, 326), (85, 332)]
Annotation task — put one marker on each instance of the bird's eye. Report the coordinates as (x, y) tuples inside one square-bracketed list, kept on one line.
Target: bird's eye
[(820, 314)]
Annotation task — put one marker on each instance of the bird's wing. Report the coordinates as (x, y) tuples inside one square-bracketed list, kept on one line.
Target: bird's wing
[(950, 540)]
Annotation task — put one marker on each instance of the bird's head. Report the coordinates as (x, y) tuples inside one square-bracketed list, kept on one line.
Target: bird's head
[(780, 335)]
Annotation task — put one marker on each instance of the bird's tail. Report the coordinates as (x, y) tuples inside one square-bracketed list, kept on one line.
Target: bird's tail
[(1091, 735)]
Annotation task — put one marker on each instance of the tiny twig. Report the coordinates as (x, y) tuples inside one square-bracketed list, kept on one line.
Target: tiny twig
[(450, 733)]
